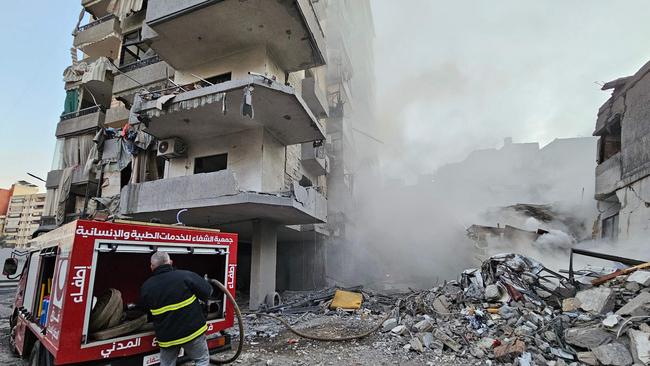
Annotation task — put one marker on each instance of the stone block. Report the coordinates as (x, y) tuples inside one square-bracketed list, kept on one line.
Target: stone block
[(389, 324), (614, 354), (570, 304), (640, 346), (640, 277), (598, 300), (587, 337), (639, 305), (587, 358), (508, 352)]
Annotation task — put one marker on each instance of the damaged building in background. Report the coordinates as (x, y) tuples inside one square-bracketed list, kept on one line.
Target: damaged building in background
[(230, 114), (623, 171)]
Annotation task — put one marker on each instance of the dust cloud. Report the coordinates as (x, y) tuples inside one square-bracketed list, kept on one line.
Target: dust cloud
[(453, 80)]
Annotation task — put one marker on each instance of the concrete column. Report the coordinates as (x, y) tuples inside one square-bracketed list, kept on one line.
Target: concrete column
[(263, 258)]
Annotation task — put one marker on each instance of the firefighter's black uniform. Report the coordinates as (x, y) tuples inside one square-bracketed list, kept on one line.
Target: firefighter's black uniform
[(172, 296)]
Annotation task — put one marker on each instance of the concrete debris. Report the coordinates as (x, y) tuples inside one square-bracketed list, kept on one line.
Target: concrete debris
[(615, 354), (638, 306), (577, 324), (389, 324), (492, 293), (416, 345), (611, 320), (640, 277), (588, 337), (598, 300), (587, 358), (570, 304), (640, 346)]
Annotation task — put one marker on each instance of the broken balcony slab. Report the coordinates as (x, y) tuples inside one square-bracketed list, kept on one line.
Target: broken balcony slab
[(80, 122), (101, 37), (204, 29), (200, 112), (98, 8), (151, 73), (215, 198), (314, 159)]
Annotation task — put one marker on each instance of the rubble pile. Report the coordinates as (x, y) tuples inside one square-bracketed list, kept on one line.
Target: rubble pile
[(512, 310)]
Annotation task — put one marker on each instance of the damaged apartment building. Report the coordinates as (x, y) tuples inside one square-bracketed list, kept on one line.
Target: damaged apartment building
[(623, 171), (224, 114)]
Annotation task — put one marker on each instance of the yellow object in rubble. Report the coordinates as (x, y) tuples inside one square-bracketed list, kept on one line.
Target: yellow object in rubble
[(346, 300)]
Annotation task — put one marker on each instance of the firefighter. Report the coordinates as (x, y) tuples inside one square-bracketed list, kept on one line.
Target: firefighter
[(172, 296)]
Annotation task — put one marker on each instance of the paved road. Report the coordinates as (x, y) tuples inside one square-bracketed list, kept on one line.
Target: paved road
[(6, 300)]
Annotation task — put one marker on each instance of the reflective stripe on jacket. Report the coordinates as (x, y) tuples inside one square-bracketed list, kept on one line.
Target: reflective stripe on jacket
[(172, 298)]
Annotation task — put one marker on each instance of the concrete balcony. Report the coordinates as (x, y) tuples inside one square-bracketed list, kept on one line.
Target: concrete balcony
[(100, 38), (98, 8), (94, 75), (116, 116), (80, 122), (315, 97), (314, 159), (79, 178), (151, 72), (215, 198), (199, 112), (205, 29), (608, 175)]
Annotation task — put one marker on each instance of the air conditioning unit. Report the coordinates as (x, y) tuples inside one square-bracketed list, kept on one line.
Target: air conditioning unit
[(172, 148)]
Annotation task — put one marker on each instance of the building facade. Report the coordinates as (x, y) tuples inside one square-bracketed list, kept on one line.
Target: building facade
[(23, 214), (623, 171), (213, 114)]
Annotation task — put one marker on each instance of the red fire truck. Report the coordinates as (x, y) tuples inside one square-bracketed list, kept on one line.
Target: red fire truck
[(77, 291)]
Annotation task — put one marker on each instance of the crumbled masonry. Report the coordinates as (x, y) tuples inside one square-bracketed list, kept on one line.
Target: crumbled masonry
[(512, 311)]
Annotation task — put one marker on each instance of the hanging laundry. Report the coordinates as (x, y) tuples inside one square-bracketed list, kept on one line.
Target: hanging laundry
[(247, 104), (71, 103)]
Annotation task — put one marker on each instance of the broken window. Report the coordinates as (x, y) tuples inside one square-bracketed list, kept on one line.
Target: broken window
[(609, 143), (220, 78), (134, 49), (209, 164), (610, 227)]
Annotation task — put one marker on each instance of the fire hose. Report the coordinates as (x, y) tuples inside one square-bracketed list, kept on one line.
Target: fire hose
[(293, 330)]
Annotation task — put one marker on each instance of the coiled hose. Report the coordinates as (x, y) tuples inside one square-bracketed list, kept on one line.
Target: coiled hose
[(238, 313), (240, 321)]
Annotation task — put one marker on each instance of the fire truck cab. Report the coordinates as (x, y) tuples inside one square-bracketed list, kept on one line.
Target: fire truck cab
[(76, 297)]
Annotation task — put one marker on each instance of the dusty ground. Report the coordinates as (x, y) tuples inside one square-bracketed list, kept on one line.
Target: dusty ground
[(268, 343)]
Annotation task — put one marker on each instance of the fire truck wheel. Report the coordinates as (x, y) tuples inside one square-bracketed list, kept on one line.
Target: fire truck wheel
[(119, 330), (40, 356), (107, 312)]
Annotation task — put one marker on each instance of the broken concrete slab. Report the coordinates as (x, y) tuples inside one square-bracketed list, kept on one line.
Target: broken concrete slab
[(399, 330), (600, 300), (447, 340), (570, 304), (587, 358), (423, 326), (640, 346), (416, 345), (637, 306), (492, 293), (441, 305), (389, 324), (614, 354), (640, 277), (587, 337)]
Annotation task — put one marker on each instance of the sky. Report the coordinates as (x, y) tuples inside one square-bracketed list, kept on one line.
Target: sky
[(455, 76), (451, 76)]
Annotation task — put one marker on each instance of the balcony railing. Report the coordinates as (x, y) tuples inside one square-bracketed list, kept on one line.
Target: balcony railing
[(138, 64), (96, 22), (83, 112)]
